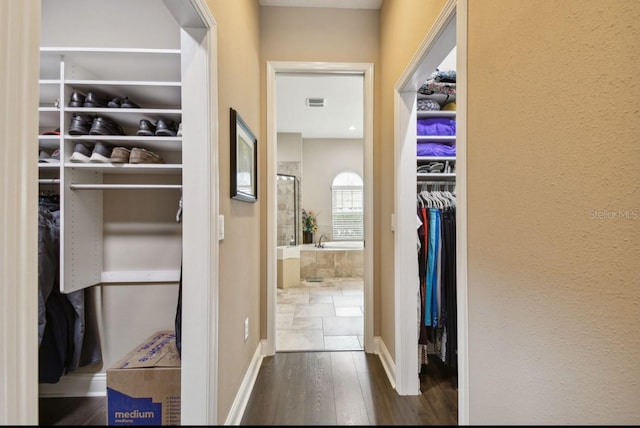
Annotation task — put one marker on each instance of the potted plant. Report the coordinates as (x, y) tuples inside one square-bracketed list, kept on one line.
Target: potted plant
[(309, 226)]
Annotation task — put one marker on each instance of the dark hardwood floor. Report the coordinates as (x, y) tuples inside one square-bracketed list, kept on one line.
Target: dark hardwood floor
[(345, 388), (312, 388)]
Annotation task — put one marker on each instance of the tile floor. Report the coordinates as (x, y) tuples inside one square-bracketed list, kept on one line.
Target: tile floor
[(318, 316)]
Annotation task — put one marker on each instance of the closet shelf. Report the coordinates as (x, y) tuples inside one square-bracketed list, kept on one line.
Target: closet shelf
[(441, 139), (124, 186), (436, 176), (110, 277), (127, 168), (436, 158), (170, 144), (436, 113)]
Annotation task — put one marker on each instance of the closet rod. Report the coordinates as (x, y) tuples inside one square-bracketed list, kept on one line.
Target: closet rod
[(123, 186), (49, 181)]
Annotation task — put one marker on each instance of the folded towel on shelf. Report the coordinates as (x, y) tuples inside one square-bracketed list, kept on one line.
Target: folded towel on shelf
[(436, 126), (435, 149)]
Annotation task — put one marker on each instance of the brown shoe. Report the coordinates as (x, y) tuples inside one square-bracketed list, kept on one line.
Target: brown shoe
[(120, 155), (144, 156)]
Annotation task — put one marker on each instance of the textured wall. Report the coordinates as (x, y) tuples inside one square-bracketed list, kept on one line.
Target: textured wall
[(553, 209)]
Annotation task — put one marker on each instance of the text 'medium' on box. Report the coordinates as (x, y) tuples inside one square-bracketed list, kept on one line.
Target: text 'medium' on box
[(143, 388)]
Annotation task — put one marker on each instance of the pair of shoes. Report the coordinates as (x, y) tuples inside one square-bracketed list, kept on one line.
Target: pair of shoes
[(161, 128), (77, 99), (139, 155), (135, 155), (93, 125), (124, 102), (80, 125), (49, 158), (83, 152), (95, 101), (104, 126)]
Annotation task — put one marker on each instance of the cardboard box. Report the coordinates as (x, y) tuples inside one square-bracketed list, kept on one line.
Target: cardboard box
[(143, 388)]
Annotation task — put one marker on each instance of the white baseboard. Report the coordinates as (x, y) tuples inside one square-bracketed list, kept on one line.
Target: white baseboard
[(242, 397), (386, 360), (76, 385)]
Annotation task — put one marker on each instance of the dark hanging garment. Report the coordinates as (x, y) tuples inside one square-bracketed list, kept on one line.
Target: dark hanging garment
[(178, 320)]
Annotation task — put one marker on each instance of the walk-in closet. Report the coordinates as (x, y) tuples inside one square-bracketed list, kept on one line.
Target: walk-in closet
[(117, 81)]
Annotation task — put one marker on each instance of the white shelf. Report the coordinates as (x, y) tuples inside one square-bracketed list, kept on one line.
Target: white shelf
[(140, 276), (436, 158), (127, 168), (435, 113), (124, 186), (437, 139), (436, 176)]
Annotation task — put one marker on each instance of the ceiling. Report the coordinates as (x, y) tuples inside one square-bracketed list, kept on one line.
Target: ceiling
[(341, 116)]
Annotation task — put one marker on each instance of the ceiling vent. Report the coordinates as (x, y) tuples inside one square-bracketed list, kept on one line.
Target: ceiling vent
[(315, 102)]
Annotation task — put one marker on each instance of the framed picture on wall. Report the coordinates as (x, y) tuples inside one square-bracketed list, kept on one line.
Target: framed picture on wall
[(244, 160)]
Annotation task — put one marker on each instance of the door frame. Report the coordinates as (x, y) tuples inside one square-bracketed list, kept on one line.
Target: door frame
[(449, 29), (273, 68)]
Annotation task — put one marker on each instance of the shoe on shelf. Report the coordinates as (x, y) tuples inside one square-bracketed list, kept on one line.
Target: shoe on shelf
[(166, 128), (94, 100), (77, 99), (146, 128), (125, 102), (104, 126), (120, 155), (179, 134), (80, 125), (139, 155), (81, 153), (101, 153), (49, 158)]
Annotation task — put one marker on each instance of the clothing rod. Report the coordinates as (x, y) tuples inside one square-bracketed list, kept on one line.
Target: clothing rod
[(123, 186), (49, 181)]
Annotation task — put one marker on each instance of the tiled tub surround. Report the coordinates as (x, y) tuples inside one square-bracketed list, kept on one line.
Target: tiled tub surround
[(336, 260)]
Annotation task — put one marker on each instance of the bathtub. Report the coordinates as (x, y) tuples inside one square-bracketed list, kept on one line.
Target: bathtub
[(336, 259)]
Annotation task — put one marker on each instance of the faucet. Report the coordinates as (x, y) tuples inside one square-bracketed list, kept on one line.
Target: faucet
[(320, 244)]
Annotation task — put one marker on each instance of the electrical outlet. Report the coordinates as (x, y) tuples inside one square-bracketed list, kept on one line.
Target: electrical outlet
[(246, 328)]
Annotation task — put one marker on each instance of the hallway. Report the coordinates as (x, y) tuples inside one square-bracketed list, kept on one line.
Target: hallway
[(318, 316)]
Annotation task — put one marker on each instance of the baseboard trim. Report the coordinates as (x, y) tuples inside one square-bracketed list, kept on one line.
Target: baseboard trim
[(76, 385), (386, 360), (234, 417)]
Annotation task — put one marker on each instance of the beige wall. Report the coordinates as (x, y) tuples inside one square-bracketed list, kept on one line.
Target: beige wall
[(322, 160), (312, 34), (554, 290), (403, 26), (553, 205), (240, 251)]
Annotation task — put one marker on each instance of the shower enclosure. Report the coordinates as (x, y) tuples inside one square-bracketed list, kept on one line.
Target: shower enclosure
[(288, 210)]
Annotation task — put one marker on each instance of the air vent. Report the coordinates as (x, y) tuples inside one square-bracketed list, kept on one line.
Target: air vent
[(315, 102)]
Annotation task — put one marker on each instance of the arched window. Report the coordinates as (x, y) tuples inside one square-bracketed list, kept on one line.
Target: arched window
[(347, 209)]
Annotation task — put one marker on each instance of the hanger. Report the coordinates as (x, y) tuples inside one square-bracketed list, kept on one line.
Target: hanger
[(179, 213)]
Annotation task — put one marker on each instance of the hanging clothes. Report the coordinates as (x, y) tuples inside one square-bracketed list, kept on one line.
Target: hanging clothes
[(67, 333), (437, 276)]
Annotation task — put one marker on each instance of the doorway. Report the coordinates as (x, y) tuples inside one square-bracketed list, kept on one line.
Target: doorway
[(311, 284)]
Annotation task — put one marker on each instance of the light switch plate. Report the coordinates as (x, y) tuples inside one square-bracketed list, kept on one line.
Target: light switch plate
[(220, 227)]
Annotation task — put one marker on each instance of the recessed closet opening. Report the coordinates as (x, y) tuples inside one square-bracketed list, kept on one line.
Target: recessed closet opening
[(126, 141), (430, 209)]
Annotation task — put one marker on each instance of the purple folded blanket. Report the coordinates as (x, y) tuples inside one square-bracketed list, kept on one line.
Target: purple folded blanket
[(436, 126), (435, 149)]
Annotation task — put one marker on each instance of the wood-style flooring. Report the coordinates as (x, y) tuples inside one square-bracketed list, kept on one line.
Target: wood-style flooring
[(312, 388)]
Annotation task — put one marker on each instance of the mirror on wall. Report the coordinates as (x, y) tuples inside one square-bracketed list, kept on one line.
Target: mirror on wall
[(288, 216)]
